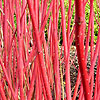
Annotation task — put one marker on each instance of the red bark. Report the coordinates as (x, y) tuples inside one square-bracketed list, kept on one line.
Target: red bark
[(80, 47)]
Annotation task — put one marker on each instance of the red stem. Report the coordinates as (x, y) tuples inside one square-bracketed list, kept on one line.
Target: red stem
[(80, 47)]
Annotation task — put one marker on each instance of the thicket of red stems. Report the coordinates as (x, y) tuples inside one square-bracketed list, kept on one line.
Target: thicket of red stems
[(34, 61)]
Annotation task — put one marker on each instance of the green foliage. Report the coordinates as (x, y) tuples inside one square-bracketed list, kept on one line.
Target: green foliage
[(15, 20)]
